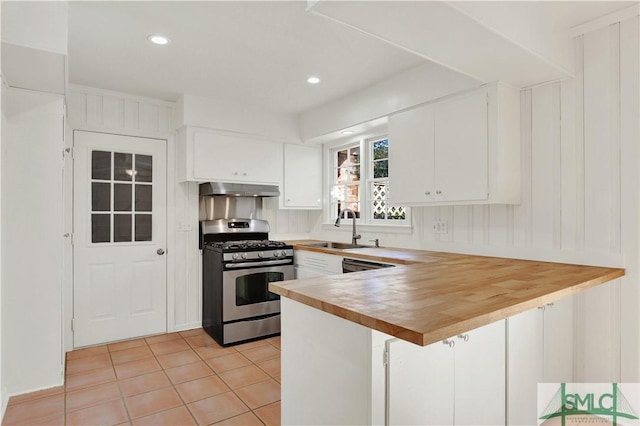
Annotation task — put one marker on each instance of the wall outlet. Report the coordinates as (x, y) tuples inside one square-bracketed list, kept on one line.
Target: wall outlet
[(440, 227)]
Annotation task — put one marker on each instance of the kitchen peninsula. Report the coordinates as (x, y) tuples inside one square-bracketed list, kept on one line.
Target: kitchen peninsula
[(336, 328)]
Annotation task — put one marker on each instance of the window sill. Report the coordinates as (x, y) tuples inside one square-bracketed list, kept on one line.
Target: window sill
[(346, 226)]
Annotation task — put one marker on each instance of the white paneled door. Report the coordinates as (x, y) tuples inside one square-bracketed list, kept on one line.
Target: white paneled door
[(119, 237)]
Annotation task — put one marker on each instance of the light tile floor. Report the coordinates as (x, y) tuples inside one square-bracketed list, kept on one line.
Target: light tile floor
[(181, 378)]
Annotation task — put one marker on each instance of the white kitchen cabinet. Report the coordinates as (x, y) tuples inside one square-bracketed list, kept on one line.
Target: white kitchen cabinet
[(458, 381), (302, 186), (313, 264), (209, 155), (461, 150), (540, 345)]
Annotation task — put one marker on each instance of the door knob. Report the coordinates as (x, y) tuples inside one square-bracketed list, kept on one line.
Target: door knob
[(160, 252)]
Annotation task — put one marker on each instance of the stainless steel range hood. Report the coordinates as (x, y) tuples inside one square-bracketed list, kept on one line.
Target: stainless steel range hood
[(239, 189)]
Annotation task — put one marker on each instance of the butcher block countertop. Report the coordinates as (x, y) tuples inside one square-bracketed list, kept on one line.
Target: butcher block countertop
[(431, 296)]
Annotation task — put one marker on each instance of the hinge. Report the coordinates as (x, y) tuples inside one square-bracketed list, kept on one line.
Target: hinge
[(385, 358), (70, 236), (73, 324)]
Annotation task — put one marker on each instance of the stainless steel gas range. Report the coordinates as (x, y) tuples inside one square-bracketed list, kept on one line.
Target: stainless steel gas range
[(239, 262)]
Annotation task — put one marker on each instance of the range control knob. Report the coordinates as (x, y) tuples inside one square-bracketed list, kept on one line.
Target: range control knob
[(244, 255), (235, 256), (260, 254), (276, 253)]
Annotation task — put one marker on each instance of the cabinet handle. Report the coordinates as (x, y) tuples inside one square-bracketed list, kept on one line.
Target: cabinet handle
[(551, 305), (542, 308), (438, 192), (235, 173), (464, 337), (449, 343), (427, 192), (244, 174), (288, 200)]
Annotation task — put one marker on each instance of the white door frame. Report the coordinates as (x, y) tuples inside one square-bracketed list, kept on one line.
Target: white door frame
[(68, 195)]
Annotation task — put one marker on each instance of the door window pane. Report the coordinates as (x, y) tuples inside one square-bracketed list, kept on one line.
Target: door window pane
[(100, 197), (123, 166), (101, 165), (122, 197), (100, 228), (143, 227), (144, 168), (121, 228), (143, 198), (254, 288)]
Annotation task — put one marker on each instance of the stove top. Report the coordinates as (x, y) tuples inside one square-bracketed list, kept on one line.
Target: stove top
[(246, 245)]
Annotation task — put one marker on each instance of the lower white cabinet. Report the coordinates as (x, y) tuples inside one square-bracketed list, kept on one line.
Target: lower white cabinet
[(313, 264), (540, 345), (460, 381)]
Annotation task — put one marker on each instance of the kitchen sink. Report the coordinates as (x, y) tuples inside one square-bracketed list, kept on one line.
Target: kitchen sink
[(335, 245)]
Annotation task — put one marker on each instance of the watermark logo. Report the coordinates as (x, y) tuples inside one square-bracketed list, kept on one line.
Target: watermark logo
[(588, 403)]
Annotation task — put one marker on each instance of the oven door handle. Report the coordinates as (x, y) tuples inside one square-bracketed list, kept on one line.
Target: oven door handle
[(264, 263)]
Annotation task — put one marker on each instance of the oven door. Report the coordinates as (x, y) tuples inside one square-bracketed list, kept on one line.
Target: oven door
[(245, 292)]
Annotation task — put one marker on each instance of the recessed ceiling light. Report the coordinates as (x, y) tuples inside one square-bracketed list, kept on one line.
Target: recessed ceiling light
[(158, 39), (347, 132), (313, 80)]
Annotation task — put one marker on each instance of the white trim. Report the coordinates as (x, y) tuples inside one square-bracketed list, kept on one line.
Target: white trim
[(96, 91), (606, 20)]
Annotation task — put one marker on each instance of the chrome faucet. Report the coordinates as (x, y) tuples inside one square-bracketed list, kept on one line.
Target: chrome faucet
[(354, 236)]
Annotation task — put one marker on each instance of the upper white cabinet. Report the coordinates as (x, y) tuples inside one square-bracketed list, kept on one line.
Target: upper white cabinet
[(302, 187), (462, 150), (208, 155)]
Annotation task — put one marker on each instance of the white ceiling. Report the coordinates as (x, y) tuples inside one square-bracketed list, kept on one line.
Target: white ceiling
[(261, 53)]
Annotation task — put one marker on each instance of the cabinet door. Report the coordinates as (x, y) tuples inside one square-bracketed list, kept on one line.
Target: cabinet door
[(525, 366), (302, 272), (480, 376), (411, 156), (327, 264), (302, 177), (461, 148), (558, 341), (421, 384), (235, 159)]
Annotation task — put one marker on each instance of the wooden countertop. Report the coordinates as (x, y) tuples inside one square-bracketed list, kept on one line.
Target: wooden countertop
[(431, 296)]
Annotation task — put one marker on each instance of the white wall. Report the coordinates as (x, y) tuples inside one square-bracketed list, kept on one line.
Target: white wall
[(32, 241), (580, 190)]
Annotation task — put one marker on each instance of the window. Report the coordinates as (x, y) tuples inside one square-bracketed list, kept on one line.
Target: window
[(360, 182)]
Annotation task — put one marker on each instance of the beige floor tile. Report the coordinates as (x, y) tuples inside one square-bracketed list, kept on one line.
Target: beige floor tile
[(198, 389), (144, 383), (109, 413), (250, 345), (213, 351), (179, 416), (132, 354), (269, 414), (188, 372), (163, 338), (89, 378), (88, 363), (193, 332), (200, 340), (95, 395), (261, 353), (137, 368), (275, 341), (244, 376), (177, 359), (259, 394), (246, 419), (272, 367), (217, 408), (169, 347), (36, 395), (152, 402), (92, 351), (228, 362), (27, 411), (127, 344)]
